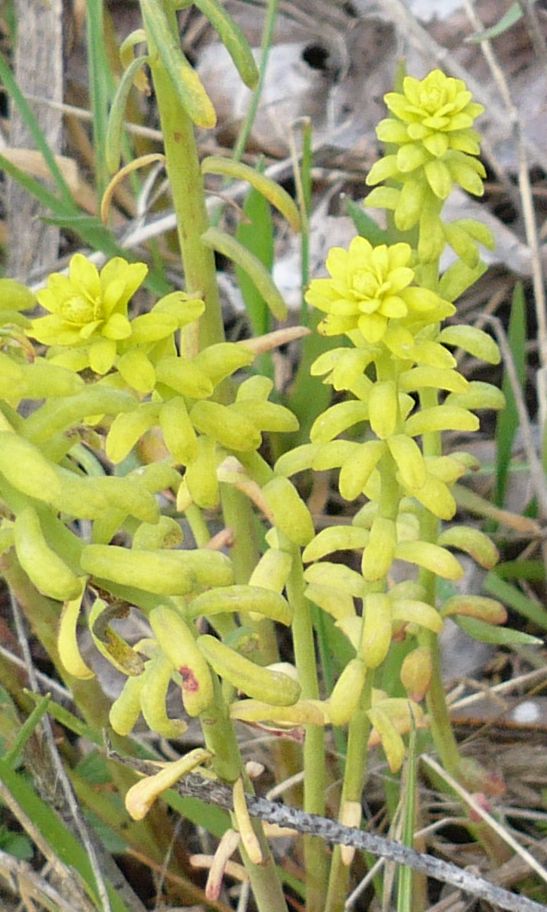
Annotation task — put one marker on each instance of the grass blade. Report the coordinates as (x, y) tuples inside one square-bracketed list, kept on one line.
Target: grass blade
[(408, 788), (27, 114), (508, 420), (100, 88), (256, 235), (515, 599)]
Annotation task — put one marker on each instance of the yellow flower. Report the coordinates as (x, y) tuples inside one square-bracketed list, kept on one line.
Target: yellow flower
[(432, 124), (368, 289), (88, 309)]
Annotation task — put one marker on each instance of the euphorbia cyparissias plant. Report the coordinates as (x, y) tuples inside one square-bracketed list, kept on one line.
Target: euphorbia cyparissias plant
[(401, 389)]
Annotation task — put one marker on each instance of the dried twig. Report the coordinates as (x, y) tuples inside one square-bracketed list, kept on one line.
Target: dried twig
[(332, 832)]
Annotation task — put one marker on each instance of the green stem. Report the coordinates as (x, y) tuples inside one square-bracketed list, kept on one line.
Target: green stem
[(314, 744), (186, 184), (239, 517), (441, 727), (220, 739), (352, 790), (183, 170)]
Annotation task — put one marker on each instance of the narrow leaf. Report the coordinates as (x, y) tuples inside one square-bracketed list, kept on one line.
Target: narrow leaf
[(229, 247), (500, 636)]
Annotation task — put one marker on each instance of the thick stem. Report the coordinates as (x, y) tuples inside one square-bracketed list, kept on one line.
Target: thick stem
[(354, 781), (186, 183), (314, 744), (221, 740), (441, 727), (183, 170)]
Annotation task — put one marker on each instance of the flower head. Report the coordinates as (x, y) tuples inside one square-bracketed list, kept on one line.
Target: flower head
[(436, 111), (88, 309), (431, 123), (368, 289)]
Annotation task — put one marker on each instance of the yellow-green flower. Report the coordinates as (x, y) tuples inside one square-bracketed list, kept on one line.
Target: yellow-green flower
[(436, 111), (368, 289), (88, 309), (431, 122)]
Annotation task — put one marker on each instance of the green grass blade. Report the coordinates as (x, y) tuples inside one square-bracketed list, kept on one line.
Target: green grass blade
[(408, 789), (42, 145), (365, 225), (531, 570), (515, 599), (100, 86), (12, 756), (256, 235), (513, 14), (508, 420), (499, 636)]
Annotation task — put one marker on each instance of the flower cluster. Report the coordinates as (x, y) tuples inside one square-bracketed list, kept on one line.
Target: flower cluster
[(436, 147), (372, 290)]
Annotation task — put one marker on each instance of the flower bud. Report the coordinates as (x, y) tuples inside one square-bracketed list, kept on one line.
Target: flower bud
[(296, 460), (436, 497), (44, 567), (156, 678), (474, 542), (304, 712), (143, 794), (379, 552), (383, 408), (339, 576), (178, 431), (201, 475), (390, 738), (474, 341), (126, 709), (441, 418), (290, 513), (127, 429), (272, 570), (357, 468), (337, 419), (376, 634), (479, 395), (166, 533), (477, 606), (242, 599), (346, 695), (258, 682), (177, 642), (221, 423), (335, 538), (414, 611), (416, 672), (67, 642), (431, 557), (337, 604), (409, 460)]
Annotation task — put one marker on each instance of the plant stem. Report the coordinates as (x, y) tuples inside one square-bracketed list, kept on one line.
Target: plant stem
[(354, 780), (441, 727), (183, 170), (221, 740), (314, 744), (186, 183)]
